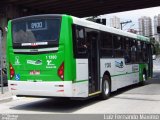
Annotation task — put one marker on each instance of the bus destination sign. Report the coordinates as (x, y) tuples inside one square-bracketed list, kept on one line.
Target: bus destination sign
[(36, 25)]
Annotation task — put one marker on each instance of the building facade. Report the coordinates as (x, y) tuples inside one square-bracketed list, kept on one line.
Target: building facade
[(156, 24), (115, 22), (145, 26)]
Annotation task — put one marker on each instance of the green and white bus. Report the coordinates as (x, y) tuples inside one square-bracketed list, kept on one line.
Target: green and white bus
[(64, 56)]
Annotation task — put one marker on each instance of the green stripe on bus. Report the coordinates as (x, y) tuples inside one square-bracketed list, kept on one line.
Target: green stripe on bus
[(80, 81), (124, 74)]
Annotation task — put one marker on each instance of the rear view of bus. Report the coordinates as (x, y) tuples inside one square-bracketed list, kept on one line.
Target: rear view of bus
[(40, 57)]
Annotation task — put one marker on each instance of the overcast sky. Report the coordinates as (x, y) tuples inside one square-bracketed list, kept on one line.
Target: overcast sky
[(134, 15)]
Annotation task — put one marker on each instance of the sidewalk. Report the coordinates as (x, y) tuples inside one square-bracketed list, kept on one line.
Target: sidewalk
[(6, 96)]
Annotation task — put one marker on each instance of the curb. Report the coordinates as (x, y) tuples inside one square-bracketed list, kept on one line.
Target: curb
[(8, 99)]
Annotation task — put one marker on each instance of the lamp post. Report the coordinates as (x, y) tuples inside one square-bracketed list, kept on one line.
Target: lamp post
[(126, 22)]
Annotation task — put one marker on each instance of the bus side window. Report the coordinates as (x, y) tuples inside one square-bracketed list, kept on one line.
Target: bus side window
[(127, 50), (118, 51), (80, 50), (144, 52), (133, 51), (80, 40), (106, 46), (139, 52)]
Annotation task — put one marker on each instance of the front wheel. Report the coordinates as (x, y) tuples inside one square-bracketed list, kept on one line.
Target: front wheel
[(144, 78), (106, 89)]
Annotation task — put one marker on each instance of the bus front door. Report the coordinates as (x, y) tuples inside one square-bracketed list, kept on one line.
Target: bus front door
[(93, 59)]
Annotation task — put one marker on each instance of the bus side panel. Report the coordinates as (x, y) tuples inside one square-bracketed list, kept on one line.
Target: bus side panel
[(8, 44), (81, 83), (121, 74), (72, 68), (69, 60), (80, 71)]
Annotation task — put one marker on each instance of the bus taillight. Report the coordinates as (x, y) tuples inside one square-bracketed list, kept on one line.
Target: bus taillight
[(61, 71), (11, 71)]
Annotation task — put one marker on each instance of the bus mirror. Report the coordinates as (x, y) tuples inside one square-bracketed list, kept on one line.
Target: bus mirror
[(6, 29), (153, 57), (153, 52)]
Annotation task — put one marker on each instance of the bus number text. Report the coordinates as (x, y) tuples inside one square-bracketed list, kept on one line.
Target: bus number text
[(107, 65), (51, 57), (36, 25)]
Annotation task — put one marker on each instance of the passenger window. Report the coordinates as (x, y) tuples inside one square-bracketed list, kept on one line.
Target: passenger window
[(139, 51), (106, 45), (106, 40), (133, 51), (144, 52), (127, 51), (117, 41)]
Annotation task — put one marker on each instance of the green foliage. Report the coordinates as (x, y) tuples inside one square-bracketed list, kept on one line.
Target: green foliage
[(156, 45)]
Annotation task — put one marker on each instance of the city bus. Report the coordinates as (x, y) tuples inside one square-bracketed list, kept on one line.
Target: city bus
[(56, 55)]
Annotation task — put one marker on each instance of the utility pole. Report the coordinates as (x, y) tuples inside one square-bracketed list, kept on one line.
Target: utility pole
[(126, 22)]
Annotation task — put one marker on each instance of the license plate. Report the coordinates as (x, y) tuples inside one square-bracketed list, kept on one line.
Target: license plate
[(35, 72)]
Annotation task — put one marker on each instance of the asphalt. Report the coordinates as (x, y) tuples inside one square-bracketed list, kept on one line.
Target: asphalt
[(6, 96)]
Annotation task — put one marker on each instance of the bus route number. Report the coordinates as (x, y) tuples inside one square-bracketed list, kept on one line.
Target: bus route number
[(51, 57), (37, 25)]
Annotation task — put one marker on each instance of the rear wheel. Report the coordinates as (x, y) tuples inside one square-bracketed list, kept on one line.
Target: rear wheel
[(106, 89)]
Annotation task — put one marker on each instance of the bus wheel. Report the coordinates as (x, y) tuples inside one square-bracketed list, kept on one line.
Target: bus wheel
[(144, 78), (106, 89)]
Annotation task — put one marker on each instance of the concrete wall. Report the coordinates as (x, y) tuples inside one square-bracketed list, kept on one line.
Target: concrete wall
[(3, 24), (9, 12)]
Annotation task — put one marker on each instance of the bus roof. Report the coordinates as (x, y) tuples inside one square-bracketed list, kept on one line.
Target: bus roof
[(90, 24)]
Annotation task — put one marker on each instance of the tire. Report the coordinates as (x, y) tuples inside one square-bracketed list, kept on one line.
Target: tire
[(106, 88)]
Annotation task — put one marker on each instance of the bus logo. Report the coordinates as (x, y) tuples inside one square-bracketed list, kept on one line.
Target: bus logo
[(119, 64), (49, 62), (33, 62), (17, 62)]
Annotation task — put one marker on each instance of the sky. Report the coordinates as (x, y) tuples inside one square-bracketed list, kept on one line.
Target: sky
[(133, 15)]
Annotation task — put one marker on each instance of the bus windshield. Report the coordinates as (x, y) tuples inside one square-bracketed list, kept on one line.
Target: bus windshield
[(35, 30)]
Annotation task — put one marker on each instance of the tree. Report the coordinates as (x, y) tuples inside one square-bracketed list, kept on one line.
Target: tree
[(156, 45)]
